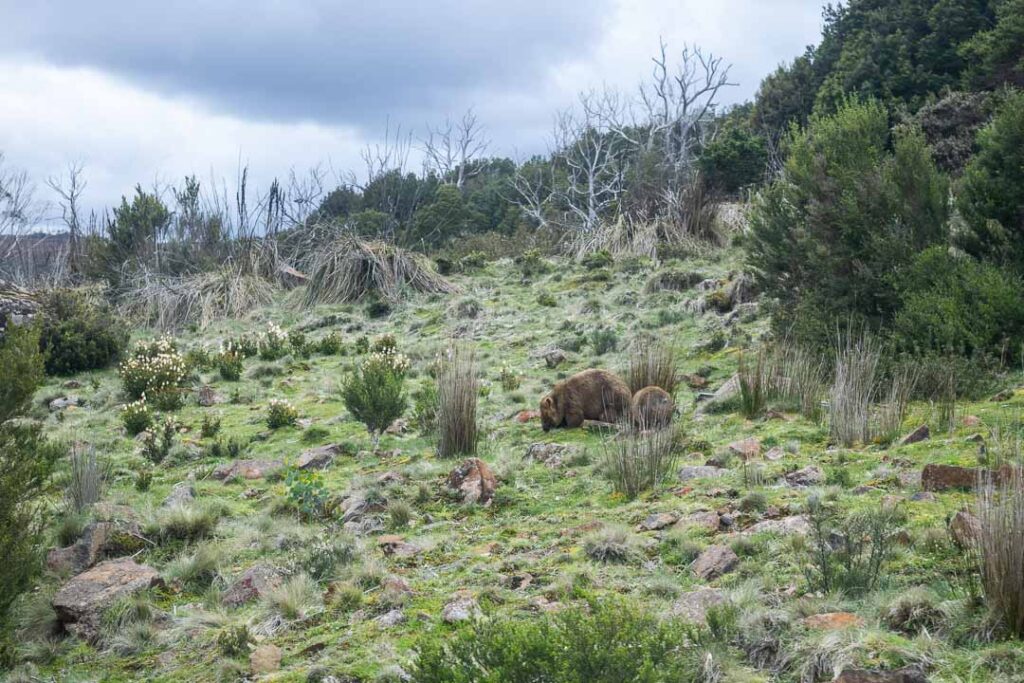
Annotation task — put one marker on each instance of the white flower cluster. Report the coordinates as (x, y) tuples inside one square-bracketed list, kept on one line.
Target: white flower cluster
[(281, 413), (136, 406), (231, 347), (393, 360), (274, 336), (152, 368)]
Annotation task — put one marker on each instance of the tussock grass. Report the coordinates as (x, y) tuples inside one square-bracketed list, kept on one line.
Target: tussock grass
[(612, 544), (652, 363), (295, 598), (1000, 545), (85, 482), (170, 303), (638, 461), (457, 393), (348, 269)]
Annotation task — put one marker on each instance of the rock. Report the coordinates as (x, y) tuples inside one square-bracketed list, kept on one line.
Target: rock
[(943, 477), (833, 621), (474, 481), (524, 416), (396, 585), (910, 674), (64, 402), (554, 358), (182, 494), (71, 384), (693, 606), (398, 427), (707, 520), (657, 521), (246, 469), (747, 449), (924, 497), (972, 421), (81, 602), (550, 454), (701, 472), (391, 618), (922, 433), (208, 397), (714, 562), (775, 454), (265, 659), (318, 458), (795, 524), (723, 394), (695, 381), (461, 608), (965, 529), (254, 583), (909, 478), (808, 476), (99, 541), (396, 546)]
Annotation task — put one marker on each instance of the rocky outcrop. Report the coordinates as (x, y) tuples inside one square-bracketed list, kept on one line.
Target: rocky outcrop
[(714, 562), (99, 541), (246, 469), (80, 603), (318, 458), (254, 583), (808, 476)]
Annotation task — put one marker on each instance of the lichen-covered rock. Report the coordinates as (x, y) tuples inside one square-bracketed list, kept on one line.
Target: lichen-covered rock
[(658, 521), (965, 529), (746, 449), (808, 476), (473, 481), (81, 602), (714, 562), (255, 582), (99, 541), (693, 606), (182, 494), (707, 520), (318, 458), (795, 524), (701, 472), (246, 469)]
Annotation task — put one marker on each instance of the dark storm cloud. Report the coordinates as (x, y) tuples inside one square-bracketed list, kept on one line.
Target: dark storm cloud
[(335, 62)]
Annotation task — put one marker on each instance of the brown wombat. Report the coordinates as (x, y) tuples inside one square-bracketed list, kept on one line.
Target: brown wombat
[(589, 395), (652, 408)]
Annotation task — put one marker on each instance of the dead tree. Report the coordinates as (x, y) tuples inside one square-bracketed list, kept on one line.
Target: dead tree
[(451, 149), (69, 189)]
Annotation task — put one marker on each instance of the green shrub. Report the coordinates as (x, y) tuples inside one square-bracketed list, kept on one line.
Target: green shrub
[(155, 370), (281, 413), (234, 640), (509, 378), (424, 407), (547, 300), (273, 343), (609, 641), (136, 417), (331, 345), (210, 426), (183, 523), (603, 340), (959, 305), (230, 363), (79, 331), (157, 444), (324, 558), (597, 259), (374, 391), (530, 263), (308, 493), (21, 367)]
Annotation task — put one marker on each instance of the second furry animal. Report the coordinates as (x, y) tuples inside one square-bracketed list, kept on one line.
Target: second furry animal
[(590, 395)]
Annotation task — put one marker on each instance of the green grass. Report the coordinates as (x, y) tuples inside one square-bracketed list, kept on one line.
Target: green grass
[(541, 519)]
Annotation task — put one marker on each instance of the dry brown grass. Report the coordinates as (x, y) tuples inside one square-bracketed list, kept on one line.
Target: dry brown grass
[(1000, 546), (652, 363), (457, 392)]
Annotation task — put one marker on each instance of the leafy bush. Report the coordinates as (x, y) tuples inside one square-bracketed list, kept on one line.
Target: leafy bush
[(273, 343), (324, 558), (281, 413), (374, 391), (230, 362), (136, 417), (609, 641), (210, 426), (597, 259), (603, 340), (26, 461), (234, 640), (509, 378), (530, 263), (157, 372), (424, 407), (157, 444), (849, 553), (846, 215), (735, 159), (612, 544), (457, 392), (79, 331), (307, 491), (331, 345)]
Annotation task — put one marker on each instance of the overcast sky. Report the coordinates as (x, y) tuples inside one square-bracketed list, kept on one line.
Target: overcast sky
[(141, 91)]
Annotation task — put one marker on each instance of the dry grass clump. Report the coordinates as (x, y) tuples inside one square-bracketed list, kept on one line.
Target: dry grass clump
[(457, 392), (612, 545), (1000, 546), (347, 269), (638, 461), (652, 364), (170, 303)]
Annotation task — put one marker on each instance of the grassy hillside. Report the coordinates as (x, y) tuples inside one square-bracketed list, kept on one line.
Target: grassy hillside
[(525, 555)]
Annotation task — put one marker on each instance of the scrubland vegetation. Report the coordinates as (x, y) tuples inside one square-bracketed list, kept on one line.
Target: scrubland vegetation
[(297, 439)]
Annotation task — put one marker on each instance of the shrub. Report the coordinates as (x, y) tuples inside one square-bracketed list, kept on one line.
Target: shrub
[(79, 331), (424, 407), (197, 569), (273, 343), (1000, 546), (183, 523), (509, 378), (597, 259), (652, 363), (547, 300), (157, 372), (307, 491), (612, 544), (457, 392), (157, 444), (136, 417), (210, 426), (640, 461), (324, 558), (21, 367), (603, 340), (608, 641), (374, 391), (297, 340), (530, 263), (331, 345), (399, 514), (849, 553), (230, 362), (281, 413), (386, 344), (234, 640), (294, 598)]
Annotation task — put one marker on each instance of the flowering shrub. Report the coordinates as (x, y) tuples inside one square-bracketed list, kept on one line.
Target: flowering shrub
[(156, 372), (386, 343), (281, 413), (229, 361), (297, 340), (510, 379), (136, 417), (157, 446), (331, 345), (273, 343), (391, 360), (247, 345)]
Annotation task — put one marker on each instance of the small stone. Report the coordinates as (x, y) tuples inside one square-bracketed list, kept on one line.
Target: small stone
[(701, 472), (396, 585), (693, 606), (255, 582), (714, 562), (775, 454), (808, 476), (246, 469), (462, 608), (965, 529), (550, 454), (795, 524), (747, 449), (391, 618), (909, 478), (708, 520), (972, 421), (182, 494), (920, 434), (657, 521), (318, 458), (924, 497), (207, 397), (99, 541), (396, 546), (265, 659), (64, 403), (554, 358), (833, 621)]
